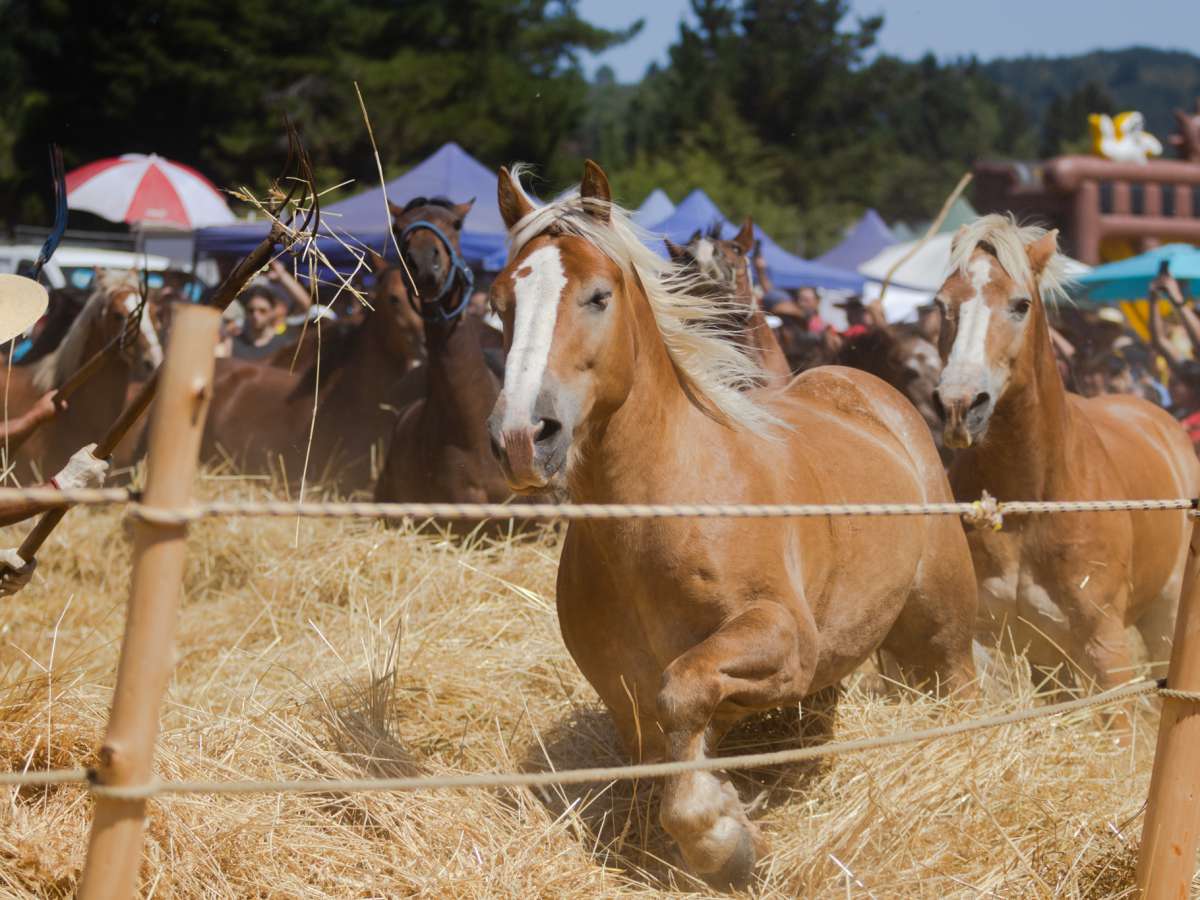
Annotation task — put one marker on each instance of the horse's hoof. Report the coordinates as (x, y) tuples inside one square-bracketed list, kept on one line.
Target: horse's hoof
[(738, 869)]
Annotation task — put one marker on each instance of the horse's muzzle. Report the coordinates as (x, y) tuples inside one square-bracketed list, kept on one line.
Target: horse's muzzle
[(964, 415), (529, 455)]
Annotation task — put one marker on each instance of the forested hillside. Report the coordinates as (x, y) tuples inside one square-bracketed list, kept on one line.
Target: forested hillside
[(782, 109)]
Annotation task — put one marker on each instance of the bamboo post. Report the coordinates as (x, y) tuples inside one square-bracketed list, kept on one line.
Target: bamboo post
[(1167, 859), (147, 651)]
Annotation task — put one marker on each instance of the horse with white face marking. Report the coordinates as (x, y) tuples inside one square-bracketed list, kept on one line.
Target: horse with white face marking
[(93, 408), (724, 267), (1064, 584), (622, 387)]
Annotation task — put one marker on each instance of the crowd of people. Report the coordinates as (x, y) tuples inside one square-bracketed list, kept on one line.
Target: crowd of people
[(1098, 350)]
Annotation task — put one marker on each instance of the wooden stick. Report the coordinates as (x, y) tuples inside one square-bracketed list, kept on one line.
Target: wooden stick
[(877, 303), (1171, 833), (147, 651)]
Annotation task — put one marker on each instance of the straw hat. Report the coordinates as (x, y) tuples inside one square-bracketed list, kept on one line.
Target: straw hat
[(22, 302)]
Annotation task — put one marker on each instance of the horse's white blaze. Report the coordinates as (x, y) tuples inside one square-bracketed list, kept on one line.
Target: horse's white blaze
[(970, 344), (538, 284), (154, 353)]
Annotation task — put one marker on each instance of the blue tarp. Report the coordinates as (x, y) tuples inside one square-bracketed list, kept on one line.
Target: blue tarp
[(868, 236), (656, 207), (1129, 279), (450, 172), (697, 212)]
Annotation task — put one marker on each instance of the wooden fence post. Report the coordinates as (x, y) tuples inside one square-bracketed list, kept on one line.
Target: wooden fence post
[(1171, 832), (148, 649)]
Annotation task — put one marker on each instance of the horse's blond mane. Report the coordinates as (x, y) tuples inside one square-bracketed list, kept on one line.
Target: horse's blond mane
[(1007, 240), (694, 325), (58, 365)]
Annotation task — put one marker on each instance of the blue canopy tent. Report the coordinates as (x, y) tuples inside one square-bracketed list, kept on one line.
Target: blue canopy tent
[(1129, 279), (866, 238), (697, 211), (450, 172), (656, 207)]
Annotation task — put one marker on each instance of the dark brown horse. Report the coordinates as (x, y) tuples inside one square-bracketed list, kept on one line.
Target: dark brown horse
[(97, 403), (907, 361), (440, 448), (724, 266), (262, 414)]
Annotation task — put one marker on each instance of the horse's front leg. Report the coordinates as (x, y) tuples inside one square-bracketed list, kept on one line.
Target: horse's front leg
[(760, 659)]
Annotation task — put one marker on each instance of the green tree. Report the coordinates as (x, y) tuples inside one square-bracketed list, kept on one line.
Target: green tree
[(207, 82)]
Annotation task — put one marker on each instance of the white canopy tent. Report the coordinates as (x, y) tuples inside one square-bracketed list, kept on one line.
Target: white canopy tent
[(929, 265)]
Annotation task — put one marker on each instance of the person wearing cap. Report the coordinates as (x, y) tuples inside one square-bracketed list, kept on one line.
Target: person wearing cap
[(858, 317), (22, 302)]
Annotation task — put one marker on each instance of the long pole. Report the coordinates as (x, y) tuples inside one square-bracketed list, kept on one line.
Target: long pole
[(104, 449), (147, 651), (1171, 833)]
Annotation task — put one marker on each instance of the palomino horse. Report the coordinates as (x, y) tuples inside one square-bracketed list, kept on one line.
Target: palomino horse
[(262, 414), (97, 403), (1065, 584), (620, 388), (440, 449), (724, 267)]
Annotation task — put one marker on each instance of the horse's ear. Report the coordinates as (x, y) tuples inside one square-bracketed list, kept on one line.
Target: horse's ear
[(1042, 251), (745, 237), (378, 263), (595, 192), (514, 205), (461, 209), (676, 252), (696, 235), (395, 208)]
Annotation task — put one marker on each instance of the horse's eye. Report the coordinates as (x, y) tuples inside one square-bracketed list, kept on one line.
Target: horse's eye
[(1020, 307), (599, 300), (458, 224)]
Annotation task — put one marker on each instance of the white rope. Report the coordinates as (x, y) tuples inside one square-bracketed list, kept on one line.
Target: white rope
[(577, 776), (986, 511)]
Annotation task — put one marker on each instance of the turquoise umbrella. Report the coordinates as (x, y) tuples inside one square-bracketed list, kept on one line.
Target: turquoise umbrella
[(1129, 279)]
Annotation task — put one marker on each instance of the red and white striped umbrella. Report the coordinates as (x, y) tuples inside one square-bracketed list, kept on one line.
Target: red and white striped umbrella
[(147, 190)]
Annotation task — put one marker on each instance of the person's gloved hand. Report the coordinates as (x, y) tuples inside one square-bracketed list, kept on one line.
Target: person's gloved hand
[(14, 572), (82, 470)]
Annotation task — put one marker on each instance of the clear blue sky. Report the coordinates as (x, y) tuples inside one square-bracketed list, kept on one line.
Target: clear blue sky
[(948, 28)]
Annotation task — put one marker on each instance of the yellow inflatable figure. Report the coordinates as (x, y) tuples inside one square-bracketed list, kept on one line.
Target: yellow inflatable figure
[(1123, 138)]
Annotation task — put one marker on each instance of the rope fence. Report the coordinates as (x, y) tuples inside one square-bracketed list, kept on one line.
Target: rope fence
[(986, 512), (159, 788)]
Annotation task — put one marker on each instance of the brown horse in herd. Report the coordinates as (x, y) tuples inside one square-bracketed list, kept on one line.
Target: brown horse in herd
[(440, 448), (1065, 586), (618, 390), (262, 415), (93, 408), (724, 267)]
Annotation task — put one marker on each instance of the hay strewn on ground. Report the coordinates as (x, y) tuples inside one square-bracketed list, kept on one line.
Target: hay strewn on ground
[(346, 649)]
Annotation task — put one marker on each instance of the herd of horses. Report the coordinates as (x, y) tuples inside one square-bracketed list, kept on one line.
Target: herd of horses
[(630, 377)]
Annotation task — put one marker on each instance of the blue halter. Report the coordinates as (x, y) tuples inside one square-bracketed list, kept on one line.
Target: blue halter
[(458, 270)]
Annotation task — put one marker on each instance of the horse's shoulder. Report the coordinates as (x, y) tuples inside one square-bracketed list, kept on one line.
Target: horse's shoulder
[(1133, 435), (851, 393)]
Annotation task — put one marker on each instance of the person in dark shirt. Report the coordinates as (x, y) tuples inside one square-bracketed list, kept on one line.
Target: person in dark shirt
[(259, 339)]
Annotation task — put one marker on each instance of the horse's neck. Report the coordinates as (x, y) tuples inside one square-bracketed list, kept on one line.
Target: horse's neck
[(1024, 455), (370, 360), (761, 339), (623, 460), (460, 387)]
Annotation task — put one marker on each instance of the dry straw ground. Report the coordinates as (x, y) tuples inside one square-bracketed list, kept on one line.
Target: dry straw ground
[(342, 649)]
